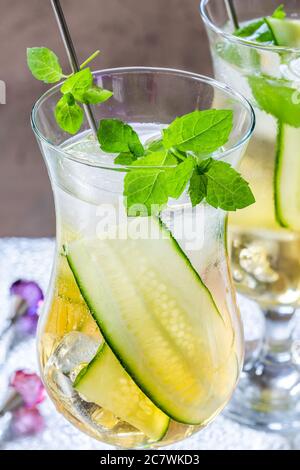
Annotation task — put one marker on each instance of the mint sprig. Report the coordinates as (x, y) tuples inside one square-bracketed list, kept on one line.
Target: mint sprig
[(78, 88), (215, 181), (165, 168)]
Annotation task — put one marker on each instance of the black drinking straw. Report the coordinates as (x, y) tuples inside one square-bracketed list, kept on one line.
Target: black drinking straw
[(69, 46), (232, 13)]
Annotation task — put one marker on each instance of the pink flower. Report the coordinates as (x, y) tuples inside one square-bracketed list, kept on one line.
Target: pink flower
[(29, 386), (27, 421), (22, 402)]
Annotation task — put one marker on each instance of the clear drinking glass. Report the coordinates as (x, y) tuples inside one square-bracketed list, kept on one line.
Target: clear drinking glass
[(265, 239), (170, 349)]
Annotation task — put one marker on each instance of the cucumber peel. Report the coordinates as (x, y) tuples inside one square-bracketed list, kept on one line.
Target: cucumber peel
[(158, 318), (287, 169), (286, 32), (105, 382), (287, 177)]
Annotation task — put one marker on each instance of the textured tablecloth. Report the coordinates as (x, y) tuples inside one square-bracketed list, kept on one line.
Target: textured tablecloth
[(31, 259)]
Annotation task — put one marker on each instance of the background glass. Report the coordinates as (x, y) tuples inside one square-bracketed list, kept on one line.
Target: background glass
[(265, 257)]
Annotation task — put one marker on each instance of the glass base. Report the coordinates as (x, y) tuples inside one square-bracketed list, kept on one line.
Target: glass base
[(268, 398)]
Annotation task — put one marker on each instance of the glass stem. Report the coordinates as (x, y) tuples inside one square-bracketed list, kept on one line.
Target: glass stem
[(280, 324), (268, 394)]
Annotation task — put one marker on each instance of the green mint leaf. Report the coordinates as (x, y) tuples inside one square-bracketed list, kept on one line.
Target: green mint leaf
[(82, 88), (68, 114), (264, 34), (154, 146), (259, 31), (146, 187), (249, 29), (275, 97), (95, 95), (125, 159), (117, 137), (226, 189), (239, 56), (279, 13), (198, 187), (178, 178), (200, 131), (44, 64), (78, 83)]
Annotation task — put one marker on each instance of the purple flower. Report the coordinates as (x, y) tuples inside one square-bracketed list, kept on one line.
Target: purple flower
[(29, 386), (28, 298), (27, 421), (30, 293), (27, 324)]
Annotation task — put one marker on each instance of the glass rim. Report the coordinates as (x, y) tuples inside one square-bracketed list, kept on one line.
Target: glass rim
[(238, 40), (135, 69)]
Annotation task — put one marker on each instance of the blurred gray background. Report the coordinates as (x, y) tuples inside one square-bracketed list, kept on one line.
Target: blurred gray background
[(165, 33)]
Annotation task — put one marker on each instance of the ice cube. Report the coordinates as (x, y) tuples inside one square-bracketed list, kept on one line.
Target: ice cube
[(76, 348), (255, 260)]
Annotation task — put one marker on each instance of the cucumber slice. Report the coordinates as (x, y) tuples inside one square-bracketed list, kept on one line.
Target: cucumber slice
[(158, 318), (287, 177), (285, 31), (106, 383)]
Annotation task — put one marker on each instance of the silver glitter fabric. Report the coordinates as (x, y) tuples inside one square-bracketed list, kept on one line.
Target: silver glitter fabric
[(32, 259)]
